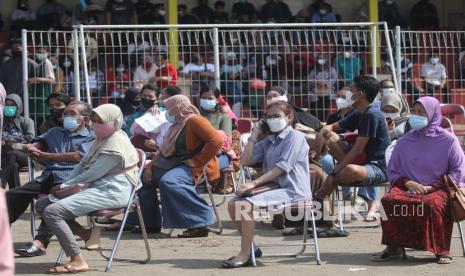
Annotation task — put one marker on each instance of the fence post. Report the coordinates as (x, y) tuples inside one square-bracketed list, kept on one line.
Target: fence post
[(216, 54), (398, 59), (391, 57), (25, 72), (77, 79), (84, 63), (374, 50)]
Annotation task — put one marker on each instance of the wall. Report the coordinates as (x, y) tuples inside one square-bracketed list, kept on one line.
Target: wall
[(450, 11)]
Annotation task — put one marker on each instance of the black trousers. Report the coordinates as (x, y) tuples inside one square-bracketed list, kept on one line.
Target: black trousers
[(12, 162), (18, 199)]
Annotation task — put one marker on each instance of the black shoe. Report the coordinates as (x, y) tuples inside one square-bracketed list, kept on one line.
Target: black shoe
[(149, 230), (258, 254), (228, 264), (200, 232)]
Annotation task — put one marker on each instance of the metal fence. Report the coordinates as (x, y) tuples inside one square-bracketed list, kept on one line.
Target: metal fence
[(312, 61)]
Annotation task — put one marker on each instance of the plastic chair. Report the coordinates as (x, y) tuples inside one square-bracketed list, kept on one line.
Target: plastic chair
[(133, 200), (303, 245), (452, 110)]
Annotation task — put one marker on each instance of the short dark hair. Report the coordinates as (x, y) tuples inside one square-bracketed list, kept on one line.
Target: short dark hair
[(369, 86), (163, 55), (59, 97), (173, 90), (284, 106), (205, 88), (281, 90), (85, 108), (150, 86)]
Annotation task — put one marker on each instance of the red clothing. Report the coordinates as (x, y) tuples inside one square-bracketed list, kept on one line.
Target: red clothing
[(113, 78), (167, 71), (421, 222)]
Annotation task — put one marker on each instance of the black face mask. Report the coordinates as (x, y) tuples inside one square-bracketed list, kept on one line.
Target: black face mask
[(136, 103), (146, 103), (57, 113)]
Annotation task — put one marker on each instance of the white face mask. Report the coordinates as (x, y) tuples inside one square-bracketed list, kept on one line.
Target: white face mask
[(341, 103), (347, 54), (434, 60), (277, 99), (41, 56), (392, 116), (388, 90), (207, 104), (276, 124), (169, 118), (321, 61), (162, 12)]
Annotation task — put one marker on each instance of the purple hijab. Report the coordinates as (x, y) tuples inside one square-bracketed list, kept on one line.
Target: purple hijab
[(425, 155)]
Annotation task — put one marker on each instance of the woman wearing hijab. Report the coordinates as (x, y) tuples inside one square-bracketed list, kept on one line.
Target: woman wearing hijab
[(131, 101), (396, 114), (194, 140), (420, 159), (110, 166)]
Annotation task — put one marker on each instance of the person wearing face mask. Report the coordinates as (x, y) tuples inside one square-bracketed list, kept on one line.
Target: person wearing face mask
[(22, 17), (117, 75), (373, 140), (324, 78), (343, 104), (387, 87), (434, 76), (146, 71), (131, 102), (58, 86), (192, 143), (160, 14), (57, 102), (120, 12), (200, 72), (17, 130), (110, 166), (348, 66), (286, 152), (11, 70), (231, 74), (324, 14), (41, 84), (60, 149), (396, 117), (166, 73), (418, 162)]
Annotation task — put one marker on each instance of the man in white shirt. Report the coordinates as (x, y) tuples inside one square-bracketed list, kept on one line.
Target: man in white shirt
[(435, 77), (200, 72), (146, 71)]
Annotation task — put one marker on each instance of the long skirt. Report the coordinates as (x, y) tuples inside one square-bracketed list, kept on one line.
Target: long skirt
[(182, 205), (420, 222)]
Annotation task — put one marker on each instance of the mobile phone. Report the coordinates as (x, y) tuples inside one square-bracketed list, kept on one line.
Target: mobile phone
[(388, 121), (263, 126)]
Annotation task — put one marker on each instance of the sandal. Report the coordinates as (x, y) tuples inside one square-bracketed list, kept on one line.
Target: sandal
[(66, 269), (199, 232), (386, 256), (30, 250), (258, 254), (444, 259), (229, 264)]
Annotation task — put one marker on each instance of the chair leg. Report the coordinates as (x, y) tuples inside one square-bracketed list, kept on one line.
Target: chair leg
[(234, 182), (60, 257), (217, 215), (315, 237), (33, 219), (340, 215), (462, 238), (252, 255), (144, 231)]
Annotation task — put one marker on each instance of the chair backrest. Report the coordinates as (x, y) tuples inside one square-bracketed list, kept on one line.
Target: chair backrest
[(141, 164), (244, 126), (450, 110), (447, 124)]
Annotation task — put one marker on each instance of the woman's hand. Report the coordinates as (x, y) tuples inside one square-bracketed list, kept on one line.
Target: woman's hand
[(325, 131), (151, 144), (54, 189), (244, 188), (190, 163), (390, 124), (416, 188), (154, 109)]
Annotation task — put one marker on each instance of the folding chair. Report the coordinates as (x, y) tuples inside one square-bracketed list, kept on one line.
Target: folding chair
[(30, 174), (303, 245), (133, 200), (452, 111)]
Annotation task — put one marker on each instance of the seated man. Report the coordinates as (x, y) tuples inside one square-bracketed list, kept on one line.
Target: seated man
[(435, 77), (63, 149), (373, 139)]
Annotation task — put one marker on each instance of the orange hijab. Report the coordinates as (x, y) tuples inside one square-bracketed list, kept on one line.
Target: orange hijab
[(179, 106)]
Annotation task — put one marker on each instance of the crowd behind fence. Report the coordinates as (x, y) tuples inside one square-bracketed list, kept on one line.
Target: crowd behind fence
[(311, 62)]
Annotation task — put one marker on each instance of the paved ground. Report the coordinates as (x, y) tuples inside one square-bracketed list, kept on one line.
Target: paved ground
[(203, 256)]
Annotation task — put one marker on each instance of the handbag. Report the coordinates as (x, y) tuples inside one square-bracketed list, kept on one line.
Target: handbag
[(261, 189), (456, 198)]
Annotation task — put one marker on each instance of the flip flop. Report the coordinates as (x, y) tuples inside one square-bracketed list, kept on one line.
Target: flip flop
[(67, 269), (30, 250), (442, 259), (386, 256)]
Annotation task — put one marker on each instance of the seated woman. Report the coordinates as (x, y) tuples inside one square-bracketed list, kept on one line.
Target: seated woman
[(286, 153), (391, 106), (110, 166), (17, 130), (192, 139), (131, 102), (420, 159), (57, 102), (210, 109)]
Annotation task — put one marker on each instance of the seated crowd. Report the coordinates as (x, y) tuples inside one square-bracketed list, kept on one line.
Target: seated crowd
[(373, 138)]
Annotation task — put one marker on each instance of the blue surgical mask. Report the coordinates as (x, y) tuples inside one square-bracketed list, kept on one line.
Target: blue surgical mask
[(207, 104), (171, 119), (70, 123), (10, 111), (418, 122)]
